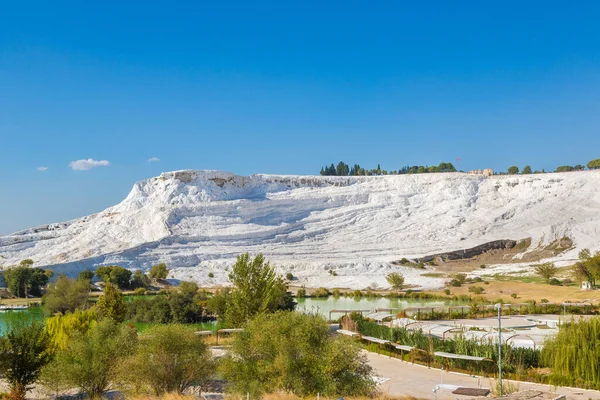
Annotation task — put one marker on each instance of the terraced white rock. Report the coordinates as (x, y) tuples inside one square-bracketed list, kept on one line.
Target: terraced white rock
[(199, 221)]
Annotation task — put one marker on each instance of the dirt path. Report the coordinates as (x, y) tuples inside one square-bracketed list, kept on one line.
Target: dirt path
[(407, 379)]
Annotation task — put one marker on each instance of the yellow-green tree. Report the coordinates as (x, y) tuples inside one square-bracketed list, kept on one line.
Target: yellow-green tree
[(111, 304)]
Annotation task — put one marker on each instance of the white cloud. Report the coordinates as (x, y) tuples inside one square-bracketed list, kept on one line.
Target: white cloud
[(84, 165), (153, 159), (42, 169)]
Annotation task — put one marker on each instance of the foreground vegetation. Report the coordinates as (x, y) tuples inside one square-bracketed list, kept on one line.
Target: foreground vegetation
[(90, 348)]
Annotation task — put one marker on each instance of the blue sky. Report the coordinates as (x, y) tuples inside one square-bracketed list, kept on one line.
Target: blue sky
[(283, 87)]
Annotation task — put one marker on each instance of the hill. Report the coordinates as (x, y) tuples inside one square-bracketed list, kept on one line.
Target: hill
[(199, 221)]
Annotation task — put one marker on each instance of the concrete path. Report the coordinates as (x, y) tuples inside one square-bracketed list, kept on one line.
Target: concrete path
[(404, 378)]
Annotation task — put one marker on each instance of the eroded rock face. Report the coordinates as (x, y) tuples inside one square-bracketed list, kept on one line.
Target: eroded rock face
[(471, 252)]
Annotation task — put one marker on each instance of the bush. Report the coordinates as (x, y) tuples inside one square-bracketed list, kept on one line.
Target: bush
[(336, 292), (476, 289), (211, 275), (169, 359), (139, 291), (447, 292), (404, 261), (140, 280), (357, 293), (332, 272), (320, 292), (482, 266), (159, 272), (66, 295), (396, 280), (295, 353), (301, 293), (90, 361), (514, 295), (554, 282), (455, 283), (289, 276)]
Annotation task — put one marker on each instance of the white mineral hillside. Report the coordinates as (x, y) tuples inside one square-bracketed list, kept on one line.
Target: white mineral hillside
[(198, 222)]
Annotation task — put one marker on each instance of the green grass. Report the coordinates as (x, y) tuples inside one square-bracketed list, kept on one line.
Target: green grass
[(434, 275)]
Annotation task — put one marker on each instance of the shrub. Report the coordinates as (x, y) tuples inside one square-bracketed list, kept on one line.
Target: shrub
[(455, 283), (336, 292), (396, 280), (90, 361), (404, 261), (169, 359), (66, 295), (211, 275), (140, 280), (476, 289), (482, 266), (289, 276), (447, 292), (159, 271), (554, 282), (544, 301), (357, 293), (332, 272), (139, 291), (301, 293), (462, 278), (514, 295), (320, 292), (295, 353)]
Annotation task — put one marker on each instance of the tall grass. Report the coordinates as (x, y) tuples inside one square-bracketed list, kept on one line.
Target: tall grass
[(514, 359)]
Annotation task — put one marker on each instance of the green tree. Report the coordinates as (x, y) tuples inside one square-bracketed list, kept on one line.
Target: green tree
[(295, 353), (256, 289), (159, 272), (24, 280), (547, 271), (594, 164), (564, 168), (66, 295), (111, 305), (86, 275), (588, 267), (396, 280), (114, 274), (17, 279), (91, 361), (217, 304), (24, 351), (342, 169), (526, 170), (169, 359), (513, 170), (140, 280)]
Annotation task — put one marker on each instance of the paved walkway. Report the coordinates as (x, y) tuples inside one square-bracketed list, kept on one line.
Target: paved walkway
[(404, 378)]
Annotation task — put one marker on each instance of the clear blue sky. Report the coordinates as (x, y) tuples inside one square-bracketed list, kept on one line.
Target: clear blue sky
[(283, 87)]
